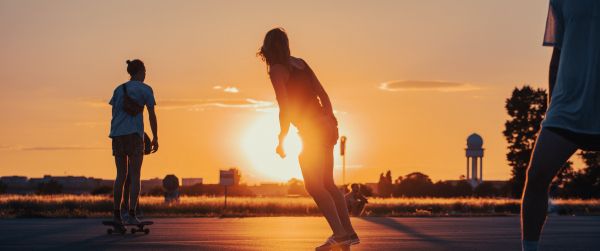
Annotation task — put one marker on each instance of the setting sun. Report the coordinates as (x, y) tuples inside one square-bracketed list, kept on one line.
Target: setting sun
[(259, 144)]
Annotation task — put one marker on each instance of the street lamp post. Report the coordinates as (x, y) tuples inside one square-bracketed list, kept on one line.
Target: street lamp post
[(343, 154)]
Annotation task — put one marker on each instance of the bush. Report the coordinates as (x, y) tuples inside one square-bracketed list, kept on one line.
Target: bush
[(3, 188), (50, 187), (102, 190)]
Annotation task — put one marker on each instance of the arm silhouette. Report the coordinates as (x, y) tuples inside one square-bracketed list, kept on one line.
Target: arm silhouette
[(154, 127), (325, 101), (553, 73), (279, 76)]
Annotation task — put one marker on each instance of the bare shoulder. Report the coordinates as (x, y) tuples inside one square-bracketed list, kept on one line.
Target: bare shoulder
[(298, 63)]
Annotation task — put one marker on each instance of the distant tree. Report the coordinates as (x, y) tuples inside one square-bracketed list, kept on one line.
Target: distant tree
[(102, 190), (414, 185), (296, 187), (526, 108), (50, 187), (443, 189), (560, 184), (462, 189), (585, 183), (3, 187), (385, 186)]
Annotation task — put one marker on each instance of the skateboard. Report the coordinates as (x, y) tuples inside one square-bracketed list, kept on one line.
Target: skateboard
[(121, 228), (335, 248)]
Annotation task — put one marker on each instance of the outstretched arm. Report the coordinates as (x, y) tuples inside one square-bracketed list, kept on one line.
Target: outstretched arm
[(279, 77), (154, 127), (553, 73)]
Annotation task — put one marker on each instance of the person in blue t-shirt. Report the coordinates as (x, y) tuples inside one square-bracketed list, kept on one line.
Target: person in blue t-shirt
[(572, 121), (127, 133)]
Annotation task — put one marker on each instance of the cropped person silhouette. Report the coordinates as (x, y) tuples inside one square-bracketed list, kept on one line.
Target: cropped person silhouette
[(356, 200), (127, 133), (304, 103), (572, 121)]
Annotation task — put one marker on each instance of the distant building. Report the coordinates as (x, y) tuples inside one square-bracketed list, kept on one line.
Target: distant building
[(191, 181)]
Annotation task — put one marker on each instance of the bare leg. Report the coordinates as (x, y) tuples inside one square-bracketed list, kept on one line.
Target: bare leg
[(549, 155), (121, 163), (336, 195), (126, 189), (135, 166), (312, 165)]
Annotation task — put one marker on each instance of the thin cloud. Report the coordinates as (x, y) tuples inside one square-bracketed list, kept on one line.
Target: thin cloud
[(202, 104), (231, 90), (421, 85), (227, 89)]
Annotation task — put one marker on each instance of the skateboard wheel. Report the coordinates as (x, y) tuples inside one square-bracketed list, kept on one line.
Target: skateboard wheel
[(133, 231), (109, 231), (146, 231)]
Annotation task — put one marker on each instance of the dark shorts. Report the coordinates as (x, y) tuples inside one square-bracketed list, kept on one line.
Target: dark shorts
[(319, 133), (583, 141), (128, 145)]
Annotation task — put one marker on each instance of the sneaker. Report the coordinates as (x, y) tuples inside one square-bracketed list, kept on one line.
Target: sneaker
[(124, 216), (354, 239), (334, 242), (117, 217), (133, 220)]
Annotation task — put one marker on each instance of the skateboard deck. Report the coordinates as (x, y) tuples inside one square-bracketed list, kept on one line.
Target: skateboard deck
[(121, 228)]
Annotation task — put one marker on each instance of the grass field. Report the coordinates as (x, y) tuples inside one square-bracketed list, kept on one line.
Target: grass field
[(101, 206)]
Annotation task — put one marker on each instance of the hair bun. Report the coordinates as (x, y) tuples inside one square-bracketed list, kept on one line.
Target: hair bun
[(128, 61)]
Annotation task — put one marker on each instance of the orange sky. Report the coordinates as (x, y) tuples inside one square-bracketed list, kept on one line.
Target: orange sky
[(448, 65)]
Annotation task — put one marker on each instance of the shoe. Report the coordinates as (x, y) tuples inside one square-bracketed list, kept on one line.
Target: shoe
[(124, 216), (354, 239), (334, 242), (132, 220), (117, 217)]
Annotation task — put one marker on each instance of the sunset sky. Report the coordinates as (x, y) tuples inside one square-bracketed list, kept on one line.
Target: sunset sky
[(409, 80)]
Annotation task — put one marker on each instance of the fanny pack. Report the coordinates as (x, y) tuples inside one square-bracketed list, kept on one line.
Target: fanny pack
[(129, 105)]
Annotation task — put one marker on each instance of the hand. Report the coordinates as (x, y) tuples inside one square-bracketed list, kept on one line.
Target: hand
[(154, 145), (280, 151)]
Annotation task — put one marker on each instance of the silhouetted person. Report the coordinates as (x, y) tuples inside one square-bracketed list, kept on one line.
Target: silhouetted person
[(355, 200), (304, 103), (573, 118), (127, 133)]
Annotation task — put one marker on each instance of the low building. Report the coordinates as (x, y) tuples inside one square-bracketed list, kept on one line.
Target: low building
[(191, 181)]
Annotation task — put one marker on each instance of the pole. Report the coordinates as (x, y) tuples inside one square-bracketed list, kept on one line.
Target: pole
[(344, 170)]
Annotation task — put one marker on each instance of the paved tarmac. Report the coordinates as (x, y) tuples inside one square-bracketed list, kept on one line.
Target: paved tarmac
[(298, 233)]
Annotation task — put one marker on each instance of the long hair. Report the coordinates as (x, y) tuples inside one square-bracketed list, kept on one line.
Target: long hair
[(275, 48)]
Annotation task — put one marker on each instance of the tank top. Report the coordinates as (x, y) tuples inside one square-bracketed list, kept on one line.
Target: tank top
[(303, 102)]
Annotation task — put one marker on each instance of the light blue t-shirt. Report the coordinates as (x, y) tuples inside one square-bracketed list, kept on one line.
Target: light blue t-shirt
[(122, 123), (574, 27)]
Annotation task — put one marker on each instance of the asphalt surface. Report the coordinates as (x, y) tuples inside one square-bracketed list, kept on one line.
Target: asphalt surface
[(298, 233)]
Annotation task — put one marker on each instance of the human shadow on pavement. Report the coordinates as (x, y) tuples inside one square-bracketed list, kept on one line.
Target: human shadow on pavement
[(395, 225)]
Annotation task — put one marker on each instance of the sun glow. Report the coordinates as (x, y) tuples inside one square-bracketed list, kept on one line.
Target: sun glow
[(259, 147)]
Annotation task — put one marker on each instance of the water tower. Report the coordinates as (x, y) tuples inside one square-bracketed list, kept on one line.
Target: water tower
[(474, 154)]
